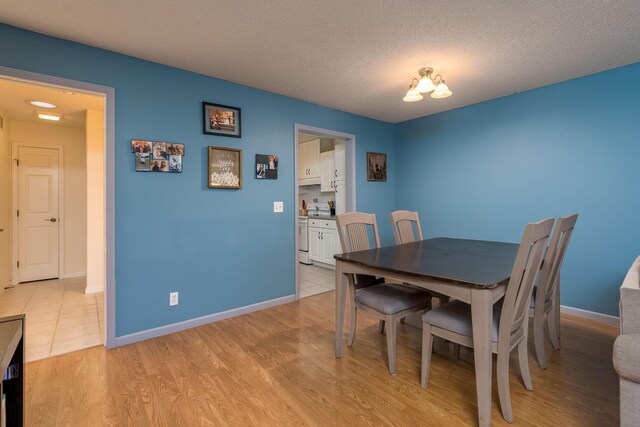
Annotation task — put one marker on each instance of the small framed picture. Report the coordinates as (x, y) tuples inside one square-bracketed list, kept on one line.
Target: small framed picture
[(159, 150), (159, 165), (175, 149), (175, 163), (141, 146), (143, 162), (266, 166), (225, 168), (221, 120), (376, 167)]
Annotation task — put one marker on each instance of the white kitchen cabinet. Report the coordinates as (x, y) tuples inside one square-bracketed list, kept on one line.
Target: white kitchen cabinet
[(314, 244), (323, 241), (327, 171), (340, 160), (309, 161), (340, 189)]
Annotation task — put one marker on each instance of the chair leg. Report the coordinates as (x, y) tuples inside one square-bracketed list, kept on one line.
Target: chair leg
[(381, 326), (427, 348), (391, 343), (553, 333), (454, 350), (538, 337), (443, 300), (502, 372), (352, 326), (523, 361)]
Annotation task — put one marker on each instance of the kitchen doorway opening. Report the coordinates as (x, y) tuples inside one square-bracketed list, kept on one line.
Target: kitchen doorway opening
[(57, 220), (324, 188)]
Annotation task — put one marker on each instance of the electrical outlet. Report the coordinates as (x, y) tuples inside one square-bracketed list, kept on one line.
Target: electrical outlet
[(278, 207), (173, 298)]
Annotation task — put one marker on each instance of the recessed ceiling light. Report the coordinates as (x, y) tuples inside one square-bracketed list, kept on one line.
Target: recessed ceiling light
[(42, 104), (49, 116)]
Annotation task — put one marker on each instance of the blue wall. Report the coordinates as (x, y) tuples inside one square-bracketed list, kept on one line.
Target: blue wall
[(485, 170), (222, 249)]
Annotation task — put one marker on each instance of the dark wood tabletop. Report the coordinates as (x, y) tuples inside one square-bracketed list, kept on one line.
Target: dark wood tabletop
[(474, 262)]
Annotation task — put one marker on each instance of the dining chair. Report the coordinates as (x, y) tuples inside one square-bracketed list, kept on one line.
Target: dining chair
[(387, 302), (404, 223), (452, 321), (545, 298)]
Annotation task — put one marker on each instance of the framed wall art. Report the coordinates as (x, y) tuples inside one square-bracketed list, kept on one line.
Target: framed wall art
[(225, 168), (157, 156), (266, 166), (221, 120), (376, 167)]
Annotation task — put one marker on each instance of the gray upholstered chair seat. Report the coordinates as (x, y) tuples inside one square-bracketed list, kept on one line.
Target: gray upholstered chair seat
[(455, 316), (390, 298)]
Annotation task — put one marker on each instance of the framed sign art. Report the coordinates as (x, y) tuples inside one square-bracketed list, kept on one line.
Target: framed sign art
[(225, 168), (221, 120)]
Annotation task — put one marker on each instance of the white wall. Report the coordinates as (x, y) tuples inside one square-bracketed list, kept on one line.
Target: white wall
[(95, 201), (75, 190), (5, 205)]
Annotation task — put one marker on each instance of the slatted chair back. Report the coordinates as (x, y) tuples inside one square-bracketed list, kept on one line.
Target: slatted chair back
[(515, 307), (555, 255), (403, 223)]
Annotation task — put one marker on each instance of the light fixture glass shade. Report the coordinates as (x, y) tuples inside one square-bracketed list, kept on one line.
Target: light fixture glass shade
[(49, 116), (425, 85), (441, 91), (42, 104), (412, 95)]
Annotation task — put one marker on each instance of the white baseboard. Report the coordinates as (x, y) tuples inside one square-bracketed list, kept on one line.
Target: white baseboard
[(599, 317), (93, 289), (199, 321), (73, 275)]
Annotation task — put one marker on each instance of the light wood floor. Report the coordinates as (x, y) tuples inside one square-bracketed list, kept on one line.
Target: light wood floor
[(277, 367)]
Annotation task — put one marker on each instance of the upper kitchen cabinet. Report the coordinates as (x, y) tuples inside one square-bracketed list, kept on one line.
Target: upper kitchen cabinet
[(340, 161), (327, 171), (309, 162)]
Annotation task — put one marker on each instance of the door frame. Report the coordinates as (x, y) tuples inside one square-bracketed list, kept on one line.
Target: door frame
[(109, 94), (15, 146), (350, 179)]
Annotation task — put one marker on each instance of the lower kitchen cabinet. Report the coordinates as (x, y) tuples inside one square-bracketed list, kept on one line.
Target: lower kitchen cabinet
[(323, 241)]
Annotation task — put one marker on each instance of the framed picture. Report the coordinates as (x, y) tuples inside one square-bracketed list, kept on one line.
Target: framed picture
[(376, 167), (221, 120), (143, 162), (175, 149), (175, 163), (266, 166), (159, 165), (141, 146), (225, 168), (159, 150)]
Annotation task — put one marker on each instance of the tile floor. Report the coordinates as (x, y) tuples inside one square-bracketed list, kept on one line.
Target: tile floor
[(60, 317), (316, 280)]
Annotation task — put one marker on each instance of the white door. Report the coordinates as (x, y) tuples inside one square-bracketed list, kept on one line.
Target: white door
[(328, 238), (37, 213), (315, 249)]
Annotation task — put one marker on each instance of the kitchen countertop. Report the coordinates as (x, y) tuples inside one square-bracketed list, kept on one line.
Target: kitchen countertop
[(329, 217)]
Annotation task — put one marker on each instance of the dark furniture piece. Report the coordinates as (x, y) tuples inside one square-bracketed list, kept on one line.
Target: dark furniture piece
[(12, 369), (472, 271)]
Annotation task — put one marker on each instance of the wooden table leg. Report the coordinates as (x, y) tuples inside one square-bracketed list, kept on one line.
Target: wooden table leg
[(341, 296), (482, 319)]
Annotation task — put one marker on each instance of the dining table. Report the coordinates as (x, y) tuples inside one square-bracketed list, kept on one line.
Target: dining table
[(472, 271)]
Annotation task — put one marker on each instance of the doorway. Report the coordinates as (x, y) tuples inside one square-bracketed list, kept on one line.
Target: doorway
[(45, 169), (324, 188)]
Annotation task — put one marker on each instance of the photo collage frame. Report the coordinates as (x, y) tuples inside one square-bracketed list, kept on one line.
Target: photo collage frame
[(157, 156)]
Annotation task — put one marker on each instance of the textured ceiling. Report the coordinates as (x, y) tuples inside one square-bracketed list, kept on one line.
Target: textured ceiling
[(356, 55), (15, 97)]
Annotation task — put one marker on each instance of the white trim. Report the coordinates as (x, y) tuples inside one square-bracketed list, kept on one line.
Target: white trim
[(109, 94), (14, 238), (74, 275), (350, 180), (599, 317), (199, 321)]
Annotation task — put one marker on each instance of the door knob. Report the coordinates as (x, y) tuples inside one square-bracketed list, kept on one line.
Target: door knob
[(51, 219)]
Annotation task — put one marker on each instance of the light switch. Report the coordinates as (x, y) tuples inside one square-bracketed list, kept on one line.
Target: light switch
[(278, 207)]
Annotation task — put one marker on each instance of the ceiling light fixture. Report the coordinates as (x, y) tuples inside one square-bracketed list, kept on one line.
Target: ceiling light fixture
[(42, 104), (49, 116), (427, 84)]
